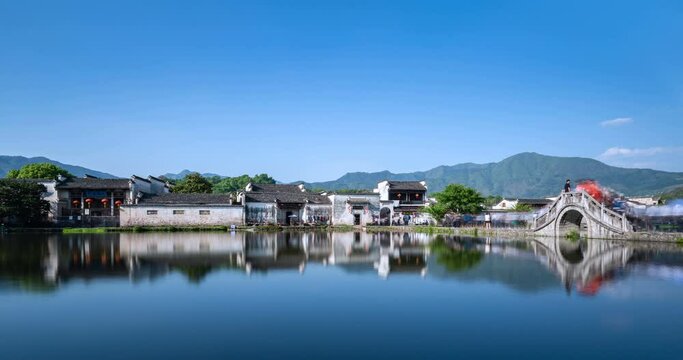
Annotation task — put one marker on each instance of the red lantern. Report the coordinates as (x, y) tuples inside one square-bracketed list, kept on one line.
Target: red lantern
[(88, 201), (118, 202), (75, 203), (104, 202)]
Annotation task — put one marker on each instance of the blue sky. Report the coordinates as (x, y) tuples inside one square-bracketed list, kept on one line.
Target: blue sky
[(313, 89)]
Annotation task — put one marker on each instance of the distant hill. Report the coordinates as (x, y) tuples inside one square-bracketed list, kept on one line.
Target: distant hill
[(186, 172), (521, 175), (8, 163)]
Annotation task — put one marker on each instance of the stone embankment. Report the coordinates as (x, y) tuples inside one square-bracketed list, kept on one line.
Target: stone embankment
[(528, 233)]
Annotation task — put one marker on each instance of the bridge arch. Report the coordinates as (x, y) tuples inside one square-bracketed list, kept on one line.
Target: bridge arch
[(570, 219)]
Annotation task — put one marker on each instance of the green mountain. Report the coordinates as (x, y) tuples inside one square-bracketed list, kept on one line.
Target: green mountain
[(8, 163), (521, 175)]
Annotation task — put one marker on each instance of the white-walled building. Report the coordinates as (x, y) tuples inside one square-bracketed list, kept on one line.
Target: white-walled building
[(402, 202), (355, 209), (511, 204), (183, 210), (284, 204)]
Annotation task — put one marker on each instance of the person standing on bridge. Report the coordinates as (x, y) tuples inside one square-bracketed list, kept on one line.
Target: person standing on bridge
[(567, 186)]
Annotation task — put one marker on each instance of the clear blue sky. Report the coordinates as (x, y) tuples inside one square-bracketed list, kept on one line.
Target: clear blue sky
[(313, 89)]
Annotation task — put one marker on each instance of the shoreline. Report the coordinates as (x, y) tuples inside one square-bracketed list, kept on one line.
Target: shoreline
[(460, 231)]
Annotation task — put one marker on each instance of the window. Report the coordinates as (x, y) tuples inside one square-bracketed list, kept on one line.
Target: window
[(204, 212), (151, 212), (178, 212)]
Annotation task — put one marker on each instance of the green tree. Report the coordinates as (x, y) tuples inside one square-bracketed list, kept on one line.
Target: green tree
[(522, 207), (193, 183), (232, 184), (492, 200), (437, 211), (38, 171), (456, 198), (21, 202), (262, 179)]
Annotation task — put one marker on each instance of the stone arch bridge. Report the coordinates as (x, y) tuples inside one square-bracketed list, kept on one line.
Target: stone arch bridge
[(579, 212)]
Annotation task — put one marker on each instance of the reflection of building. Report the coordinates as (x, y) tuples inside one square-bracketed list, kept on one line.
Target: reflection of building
[(195, 254), (281, 250)]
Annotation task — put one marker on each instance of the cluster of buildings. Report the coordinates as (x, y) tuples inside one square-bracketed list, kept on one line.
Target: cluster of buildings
[(138, 201)]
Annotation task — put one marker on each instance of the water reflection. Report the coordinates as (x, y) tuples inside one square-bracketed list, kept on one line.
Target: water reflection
[(43, 262)]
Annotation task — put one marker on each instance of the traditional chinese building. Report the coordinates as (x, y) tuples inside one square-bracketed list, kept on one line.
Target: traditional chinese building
[(172, 209), (402, 202), (93, 201), (283, 204), (355, 209)]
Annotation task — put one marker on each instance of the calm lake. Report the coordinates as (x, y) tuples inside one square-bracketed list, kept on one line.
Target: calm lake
[(336, 296)]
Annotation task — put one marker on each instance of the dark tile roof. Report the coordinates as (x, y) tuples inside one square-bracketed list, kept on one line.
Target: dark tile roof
[(406, 185), (156, 179), (187, 199), (34, 180), (94, 183), (275, 188), (286, 197), (135, 177)]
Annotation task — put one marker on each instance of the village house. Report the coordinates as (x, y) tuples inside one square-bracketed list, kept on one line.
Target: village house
[(284, 204), (172, 209), (402, 202), (355, 209), (93, 201)]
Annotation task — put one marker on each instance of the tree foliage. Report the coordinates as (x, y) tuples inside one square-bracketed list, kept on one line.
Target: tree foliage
[(193, 183), (456, 198), (492, 200), (437, 211), (232, 184), (522, 207), (38, 171), (21, 202)]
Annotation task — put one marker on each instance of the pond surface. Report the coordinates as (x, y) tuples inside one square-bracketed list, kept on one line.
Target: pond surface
[(336, 296)]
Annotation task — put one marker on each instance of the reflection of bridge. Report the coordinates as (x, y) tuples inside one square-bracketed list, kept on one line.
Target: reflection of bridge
[(578, 211), (583, 263)]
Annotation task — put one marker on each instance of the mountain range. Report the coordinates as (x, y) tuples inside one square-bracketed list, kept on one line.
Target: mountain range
[(522, 175), (8, 163)]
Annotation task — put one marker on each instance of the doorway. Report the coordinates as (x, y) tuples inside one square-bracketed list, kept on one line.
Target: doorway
[(288, 218), (356, 219)]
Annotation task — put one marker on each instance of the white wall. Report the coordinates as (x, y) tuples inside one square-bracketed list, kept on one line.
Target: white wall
[(136, 215)]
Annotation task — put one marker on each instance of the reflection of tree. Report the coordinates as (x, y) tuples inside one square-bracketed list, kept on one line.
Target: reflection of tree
[(21, 260), (454, 259), (195, 273)]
